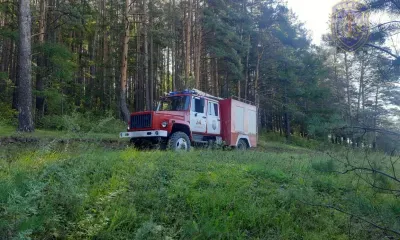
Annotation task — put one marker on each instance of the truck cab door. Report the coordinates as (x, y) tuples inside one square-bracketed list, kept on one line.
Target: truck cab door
[(198, 117), (213, 118)]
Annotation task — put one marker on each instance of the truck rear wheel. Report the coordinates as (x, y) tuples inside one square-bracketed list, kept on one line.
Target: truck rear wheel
[(242, 145), (179, 141)]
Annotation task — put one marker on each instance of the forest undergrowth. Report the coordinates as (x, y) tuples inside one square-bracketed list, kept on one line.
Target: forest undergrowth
[(88, 191)]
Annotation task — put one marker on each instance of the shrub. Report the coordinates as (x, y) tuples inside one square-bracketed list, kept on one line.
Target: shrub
[(84, 123), (324, 165), (8, 115), (295, 140), (53, 122), (324, 185)]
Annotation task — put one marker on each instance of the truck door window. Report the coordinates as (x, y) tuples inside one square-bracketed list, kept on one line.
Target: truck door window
[(175, 103), (212, 109), (215, 109), (198, 105)]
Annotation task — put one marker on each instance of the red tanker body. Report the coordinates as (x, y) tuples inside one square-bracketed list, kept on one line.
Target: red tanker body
[(191, 116), (239, 122)]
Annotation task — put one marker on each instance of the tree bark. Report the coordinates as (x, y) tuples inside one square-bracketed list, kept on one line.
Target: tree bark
[(40, 62), (13, 72), (151, 57), (188, 41), (376, 117), (146, 56), (246, 72), (25, 122), (168, 83), (198, 46), (286, 117), (105, 96), (124, 67), (256, 96), (346, 62), (42, 20), (173, 54), (216, 80), (361, 89), (139, 85)]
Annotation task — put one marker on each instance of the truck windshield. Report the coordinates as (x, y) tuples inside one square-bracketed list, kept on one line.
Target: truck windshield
[(175, 103)]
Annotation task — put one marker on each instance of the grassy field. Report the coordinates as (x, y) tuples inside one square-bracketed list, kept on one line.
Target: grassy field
[(86, 191), (9, 131)]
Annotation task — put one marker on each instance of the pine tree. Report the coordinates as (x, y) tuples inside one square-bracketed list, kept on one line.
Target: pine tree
[(25, 121)]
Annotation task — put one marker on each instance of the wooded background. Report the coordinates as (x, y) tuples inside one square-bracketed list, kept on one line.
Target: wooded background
[(113, 57)]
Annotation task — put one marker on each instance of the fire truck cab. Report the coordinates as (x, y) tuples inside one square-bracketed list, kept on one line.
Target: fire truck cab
[(184, 118)]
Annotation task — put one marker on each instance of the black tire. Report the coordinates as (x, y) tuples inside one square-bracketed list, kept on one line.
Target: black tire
[(242, 145), (179, 141)]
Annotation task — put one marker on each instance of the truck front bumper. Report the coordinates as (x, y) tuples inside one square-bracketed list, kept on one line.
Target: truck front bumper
[(144, 134)]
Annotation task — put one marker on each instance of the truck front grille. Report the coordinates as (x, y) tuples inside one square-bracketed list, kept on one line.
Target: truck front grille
[(141, 121)]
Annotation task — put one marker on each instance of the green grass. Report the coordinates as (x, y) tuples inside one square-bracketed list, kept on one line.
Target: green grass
[(83, 191), (9, 131), (295, 140)]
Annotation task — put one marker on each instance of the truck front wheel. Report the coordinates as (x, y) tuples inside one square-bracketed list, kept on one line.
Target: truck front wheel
[(179, 141), (242, 145)]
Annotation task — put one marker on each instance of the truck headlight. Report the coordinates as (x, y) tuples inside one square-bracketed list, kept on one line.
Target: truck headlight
[(164, 124)]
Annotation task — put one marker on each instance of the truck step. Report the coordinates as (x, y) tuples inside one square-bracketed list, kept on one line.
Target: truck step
[(197, 138), (205, 142)]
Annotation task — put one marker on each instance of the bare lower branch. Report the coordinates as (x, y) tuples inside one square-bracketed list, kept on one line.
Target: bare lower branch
[(382, 49), (372, 170)]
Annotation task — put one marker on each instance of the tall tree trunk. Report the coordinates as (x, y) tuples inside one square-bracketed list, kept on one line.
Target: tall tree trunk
[(173, 55), (40, 62), (216, 78), (360, 89), (376, 117), (138, 88), (14, 73), (80, 82), (5, 57), (346, 63), (348, 90), (256, 87), (124, 67), (246, 72), (25, 122), (105, 96), (4, 64), (198, 46), (188, 41), (91, 93), (336, 76), (286, 116), (146, 56), (151, 57), (168, 83)]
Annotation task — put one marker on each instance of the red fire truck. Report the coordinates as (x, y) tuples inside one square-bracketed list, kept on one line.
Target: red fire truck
[(188, 117)]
